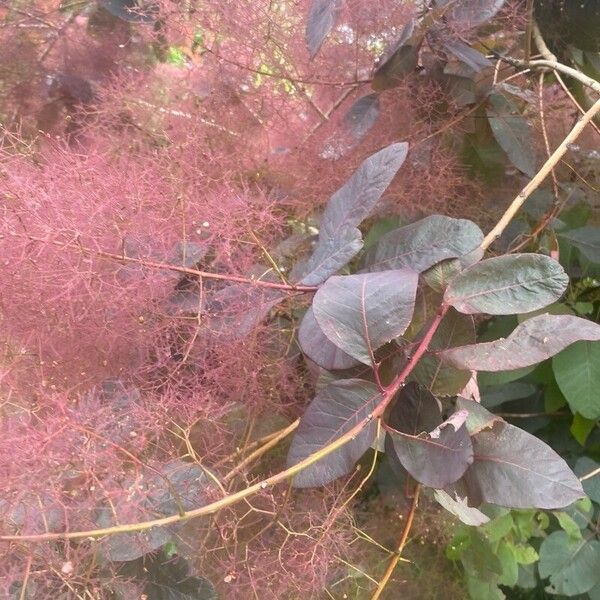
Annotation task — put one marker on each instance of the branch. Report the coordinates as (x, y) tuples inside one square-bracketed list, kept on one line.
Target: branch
[(539, 177), (288, 287), (403, 538), (208, 509), (556, 66), (262, 449)]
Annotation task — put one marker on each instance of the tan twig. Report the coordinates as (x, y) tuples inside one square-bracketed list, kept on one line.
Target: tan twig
[(547, 55), (590, 475), (23, 593), (529, 29), (540, 176), (403, 538), (545, 135), (262, 449)]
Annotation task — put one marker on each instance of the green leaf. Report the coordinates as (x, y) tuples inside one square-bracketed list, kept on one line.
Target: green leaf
[(581, 512), (499, 527), (509, 284), (527, 576), (568, 525), (513, 132), (510, 567), (339, 238), (525, 554), (581, 428), (484, 590), (573, 567), (424, 243), (530, 343), (577, 372), (335, 410), (360, 313), (498, 394), (586, 240), (481, 559), (439, 458)]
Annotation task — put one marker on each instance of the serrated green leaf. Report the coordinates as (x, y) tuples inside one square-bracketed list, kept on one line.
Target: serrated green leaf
[(525, 554), (568, 525)]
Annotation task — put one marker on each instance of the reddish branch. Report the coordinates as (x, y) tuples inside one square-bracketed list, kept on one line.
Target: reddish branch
[(287, 287)]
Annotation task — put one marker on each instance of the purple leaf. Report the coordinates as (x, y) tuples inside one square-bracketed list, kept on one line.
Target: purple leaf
[(360, 313), (317, 346), (507, 285), (335, 410), (339, 238), (439, 458), (530, 343), (424, 243), (321, 18)]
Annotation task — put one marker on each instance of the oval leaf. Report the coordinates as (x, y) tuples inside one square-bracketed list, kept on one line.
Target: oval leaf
[(420, 245), (507, 285), (334, 411), (586, 240), (512, 132), (416, 410), (321, 18), (573, 566), (513, 468), (362, 115), (360, 313), (439, 458), (467, 55), (317, 346), (339, 239), (530, 343), (577, 372)]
